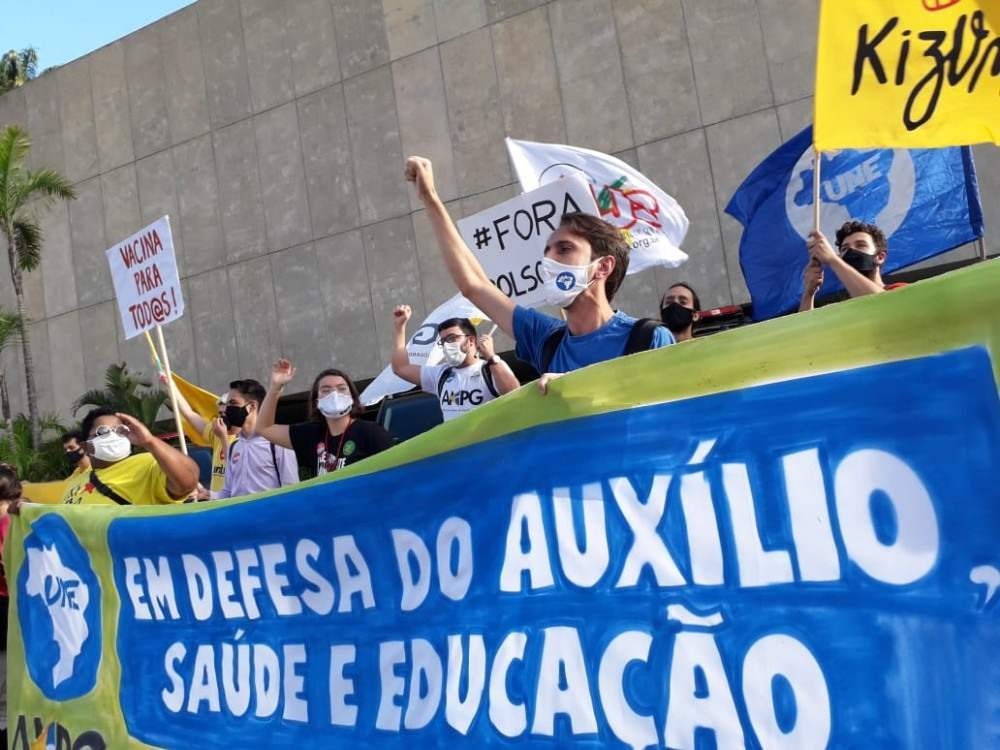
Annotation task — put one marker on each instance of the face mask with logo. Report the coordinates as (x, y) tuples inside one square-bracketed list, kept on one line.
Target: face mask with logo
[(335, 404), (453, 353), (676, 317), (236, 416), (111, 447), (863, 263), (564, 283)]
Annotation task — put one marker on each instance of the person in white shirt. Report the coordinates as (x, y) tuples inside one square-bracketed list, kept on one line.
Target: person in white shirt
[(463, 381)]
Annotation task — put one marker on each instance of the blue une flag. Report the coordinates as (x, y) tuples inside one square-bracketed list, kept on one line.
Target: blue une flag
[(926, 201)]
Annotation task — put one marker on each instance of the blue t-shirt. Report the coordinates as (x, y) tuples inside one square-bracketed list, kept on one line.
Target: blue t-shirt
[(532, 328)]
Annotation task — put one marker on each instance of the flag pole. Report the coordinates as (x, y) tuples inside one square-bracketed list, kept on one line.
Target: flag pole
[(981, 248), (817, 160), (153, 355), (173, 388)]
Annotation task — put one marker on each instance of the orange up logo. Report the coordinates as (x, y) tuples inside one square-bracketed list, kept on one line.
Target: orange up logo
[(933, 5)]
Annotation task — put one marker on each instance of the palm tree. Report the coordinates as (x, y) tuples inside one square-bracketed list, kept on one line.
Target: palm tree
[(17, 68), (121, 393), (19, 186), (10, 326)]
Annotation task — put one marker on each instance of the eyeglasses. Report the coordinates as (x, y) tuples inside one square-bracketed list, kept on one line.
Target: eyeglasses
[(103, 430), (453, 339)]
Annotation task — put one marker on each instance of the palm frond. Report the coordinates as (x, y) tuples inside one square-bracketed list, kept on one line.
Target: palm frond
[(94, 398), (44, 183), (126, 392), (14, 148), (10, 327), (28, 242)]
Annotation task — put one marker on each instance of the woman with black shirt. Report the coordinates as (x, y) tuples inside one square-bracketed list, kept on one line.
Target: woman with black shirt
[(334, 436)]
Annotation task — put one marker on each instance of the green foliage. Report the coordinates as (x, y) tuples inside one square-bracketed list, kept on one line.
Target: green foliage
[(17, 68), (125, 392), (43, 464), (10, 327), (22, 192)]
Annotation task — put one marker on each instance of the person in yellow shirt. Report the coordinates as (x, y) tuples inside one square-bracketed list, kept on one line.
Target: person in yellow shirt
[(218, 433), (161, 475)]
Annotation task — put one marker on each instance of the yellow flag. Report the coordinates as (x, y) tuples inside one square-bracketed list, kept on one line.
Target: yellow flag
[(907, 73), (203, 402)]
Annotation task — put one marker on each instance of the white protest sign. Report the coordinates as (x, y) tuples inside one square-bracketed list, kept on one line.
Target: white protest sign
[(144, 273), (509, 238)]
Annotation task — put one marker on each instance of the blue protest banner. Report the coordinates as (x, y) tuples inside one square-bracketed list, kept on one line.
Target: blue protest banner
[(782, 537), (926, 201)]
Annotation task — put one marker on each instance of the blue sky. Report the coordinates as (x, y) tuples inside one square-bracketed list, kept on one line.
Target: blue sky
[(63, 30)]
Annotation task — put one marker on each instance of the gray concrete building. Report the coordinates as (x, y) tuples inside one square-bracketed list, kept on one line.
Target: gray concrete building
[(273, 132)]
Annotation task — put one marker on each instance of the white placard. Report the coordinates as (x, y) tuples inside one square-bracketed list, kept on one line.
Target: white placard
[(509, 238), (144, 272)]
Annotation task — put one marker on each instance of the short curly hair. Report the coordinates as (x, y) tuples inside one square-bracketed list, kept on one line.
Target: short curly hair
[(853, 227)]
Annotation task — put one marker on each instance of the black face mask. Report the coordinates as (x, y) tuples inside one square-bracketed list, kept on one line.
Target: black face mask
[(676, 317), (860, 262), (73, 457), (235, 415)]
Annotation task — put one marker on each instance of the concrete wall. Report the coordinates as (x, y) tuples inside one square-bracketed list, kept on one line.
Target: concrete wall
[(274, 131)]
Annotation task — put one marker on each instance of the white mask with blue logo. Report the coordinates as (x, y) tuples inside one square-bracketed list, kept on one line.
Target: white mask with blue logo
[(564, 283)]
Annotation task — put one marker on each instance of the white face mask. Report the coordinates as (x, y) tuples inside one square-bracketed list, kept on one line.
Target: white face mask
[(111, 447), (453, 354), (564, 283), (335, 404)]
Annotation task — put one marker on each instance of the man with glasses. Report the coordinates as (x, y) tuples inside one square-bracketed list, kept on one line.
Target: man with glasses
[(160, 475), (463, 381), (857, 262)]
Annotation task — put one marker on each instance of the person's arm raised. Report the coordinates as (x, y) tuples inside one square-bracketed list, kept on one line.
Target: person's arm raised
[(856, 284), (504, 377), (193, 418), (465, 270), (401, 364), (812, 280), (181, 470), (281, 375)]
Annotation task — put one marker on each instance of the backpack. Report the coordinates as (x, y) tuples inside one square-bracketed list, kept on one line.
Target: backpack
[(487, 378), (639, 339)]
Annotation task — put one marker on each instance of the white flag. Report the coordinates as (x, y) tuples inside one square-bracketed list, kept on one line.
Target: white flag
[(421, 348), (654, 223)]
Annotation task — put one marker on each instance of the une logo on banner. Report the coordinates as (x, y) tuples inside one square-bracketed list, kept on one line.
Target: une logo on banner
[(144, 272), (60, 611)]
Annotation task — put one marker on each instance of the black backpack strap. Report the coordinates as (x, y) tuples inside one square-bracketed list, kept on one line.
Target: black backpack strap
[(488, 379), (445, 374), (641, 335), (107, 491), (274, 458), (549, 347)]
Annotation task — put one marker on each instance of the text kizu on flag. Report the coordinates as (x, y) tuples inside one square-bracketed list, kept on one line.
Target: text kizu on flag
[(654, 223), (907, 73)]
